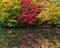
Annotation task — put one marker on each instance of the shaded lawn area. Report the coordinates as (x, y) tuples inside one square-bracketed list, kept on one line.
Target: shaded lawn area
[(49, 38)]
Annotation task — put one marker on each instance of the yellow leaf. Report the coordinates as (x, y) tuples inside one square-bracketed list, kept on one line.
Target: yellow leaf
[(4, 1)]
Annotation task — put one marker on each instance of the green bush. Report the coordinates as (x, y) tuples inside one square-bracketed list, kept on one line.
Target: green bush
[(9, 10)]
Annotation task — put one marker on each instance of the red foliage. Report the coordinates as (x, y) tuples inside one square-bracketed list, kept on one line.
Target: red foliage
[(29, 11), (26, 1)]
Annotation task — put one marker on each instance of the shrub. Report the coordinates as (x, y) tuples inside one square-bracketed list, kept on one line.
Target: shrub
[(51, 14), (9, 10), (18, 13), (29, 11)]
